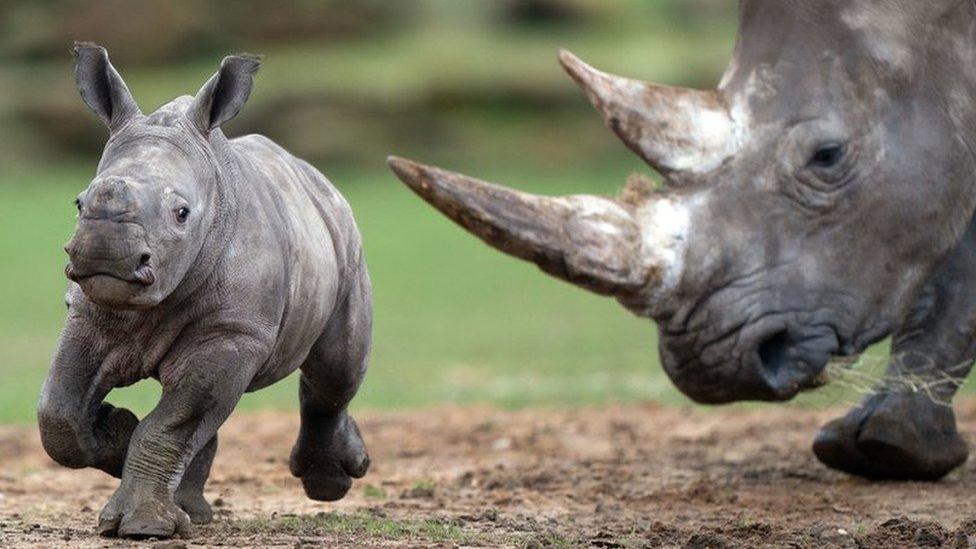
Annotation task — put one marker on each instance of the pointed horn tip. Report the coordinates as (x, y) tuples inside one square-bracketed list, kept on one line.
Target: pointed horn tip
[(572, 64), (567, 57), (410, 172), (584, 74)]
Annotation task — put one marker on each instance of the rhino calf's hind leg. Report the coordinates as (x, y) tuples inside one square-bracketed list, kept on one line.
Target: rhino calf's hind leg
[(330, 451)]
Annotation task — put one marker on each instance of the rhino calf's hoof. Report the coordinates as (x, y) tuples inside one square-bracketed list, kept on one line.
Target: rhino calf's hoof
[(129, 516), (326, 459), (196, 507), (894, 437)]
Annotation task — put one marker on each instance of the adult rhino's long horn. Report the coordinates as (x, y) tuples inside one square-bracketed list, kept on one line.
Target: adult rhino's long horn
[(597, 243), (675, 130)]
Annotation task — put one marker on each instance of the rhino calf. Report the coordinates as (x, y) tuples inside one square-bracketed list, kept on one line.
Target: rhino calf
[(216, 266)]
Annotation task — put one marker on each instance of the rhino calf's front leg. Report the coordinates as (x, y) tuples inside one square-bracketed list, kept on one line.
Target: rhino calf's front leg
[(189, 495), (77, 428), (199, 392)]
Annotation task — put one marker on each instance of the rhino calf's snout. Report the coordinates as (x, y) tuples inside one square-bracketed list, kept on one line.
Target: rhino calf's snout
[(110, 260)]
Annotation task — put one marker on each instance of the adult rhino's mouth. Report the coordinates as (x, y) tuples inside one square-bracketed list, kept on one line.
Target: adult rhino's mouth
[(791, 361), (768, 360)]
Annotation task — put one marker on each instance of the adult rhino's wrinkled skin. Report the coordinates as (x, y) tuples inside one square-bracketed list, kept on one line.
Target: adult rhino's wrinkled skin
[(819, 200), (217, 267)]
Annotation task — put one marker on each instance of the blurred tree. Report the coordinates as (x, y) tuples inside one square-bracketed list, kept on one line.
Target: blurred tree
[(349, 80)]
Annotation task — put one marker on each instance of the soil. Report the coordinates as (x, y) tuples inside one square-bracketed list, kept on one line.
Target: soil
[(627, 476)]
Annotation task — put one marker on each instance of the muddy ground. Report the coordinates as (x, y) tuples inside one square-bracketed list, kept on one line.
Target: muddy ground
[(639, 476)]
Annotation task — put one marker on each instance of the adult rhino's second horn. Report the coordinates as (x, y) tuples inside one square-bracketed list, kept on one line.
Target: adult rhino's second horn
[(598, 243), (675, 130)]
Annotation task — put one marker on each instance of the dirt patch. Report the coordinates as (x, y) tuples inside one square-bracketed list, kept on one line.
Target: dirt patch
[(605, 477)]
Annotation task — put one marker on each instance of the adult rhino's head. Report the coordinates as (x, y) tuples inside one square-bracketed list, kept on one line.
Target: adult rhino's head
[(806, 200), (144, 219)]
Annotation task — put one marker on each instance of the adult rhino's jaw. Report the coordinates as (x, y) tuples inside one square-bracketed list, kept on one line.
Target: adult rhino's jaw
[(632, 250), (770, 359)]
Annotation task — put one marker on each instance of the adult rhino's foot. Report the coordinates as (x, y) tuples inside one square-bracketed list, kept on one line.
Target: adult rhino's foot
[(894, 436), (328, 455), (131, 514), (195, 506)]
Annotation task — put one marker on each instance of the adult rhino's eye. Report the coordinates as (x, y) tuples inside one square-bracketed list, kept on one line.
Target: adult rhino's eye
[(827, 156), (182, 214)]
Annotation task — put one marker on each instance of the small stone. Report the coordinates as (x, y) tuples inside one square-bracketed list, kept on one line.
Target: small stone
[(502, 444)]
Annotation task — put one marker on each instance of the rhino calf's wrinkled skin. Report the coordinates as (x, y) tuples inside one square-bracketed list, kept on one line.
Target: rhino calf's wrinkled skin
[(216, 266), (820, 199)]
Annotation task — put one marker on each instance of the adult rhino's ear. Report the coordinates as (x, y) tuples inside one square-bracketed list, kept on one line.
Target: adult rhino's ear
[(224, 95), (101, 87)]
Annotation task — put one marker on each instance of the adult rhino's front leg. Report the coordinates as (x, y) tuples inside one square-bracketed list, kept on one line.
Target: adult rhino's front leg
[(899, 433), (200, 389), (907, 428)]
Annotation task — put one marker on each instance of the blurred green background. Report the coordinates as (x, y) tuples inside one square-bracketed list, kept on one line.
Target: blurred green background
[(470, 85)]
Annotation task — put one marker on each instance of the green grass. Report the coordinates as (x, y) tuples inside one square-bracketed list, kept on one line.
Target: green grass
[(456, 322), (371, 491), (359, 525)]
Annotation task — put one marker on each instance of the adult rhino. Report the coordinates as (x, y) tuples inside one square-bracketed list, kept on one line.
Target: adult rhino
[(819, 200), (217, 266)]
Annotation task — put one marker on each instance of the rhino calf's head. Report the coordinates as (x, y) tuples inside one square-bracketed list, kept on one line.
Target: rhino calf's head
[(807, 199), (146, 216)]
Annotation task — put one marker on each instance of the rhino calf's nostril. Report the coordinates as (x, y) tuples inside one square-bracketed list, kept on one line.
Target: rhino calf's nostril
[(144, 258)]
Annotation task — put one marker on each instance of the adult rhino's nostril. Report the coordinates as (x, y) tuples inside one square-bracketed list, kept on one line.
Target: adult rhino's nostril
[(774, 353), (144, 259)]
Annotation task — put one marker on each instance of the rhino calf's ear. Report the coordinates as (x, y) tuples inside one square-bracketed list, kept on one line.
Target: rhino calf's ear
[(224, 95), (100, 85)]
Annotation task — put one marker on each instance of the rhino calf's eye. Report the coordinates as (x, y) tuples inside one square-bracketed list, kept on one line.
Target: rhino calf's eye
[(827, 156), (182, 214)]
